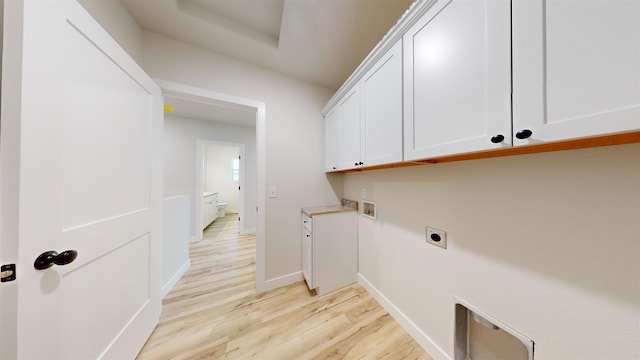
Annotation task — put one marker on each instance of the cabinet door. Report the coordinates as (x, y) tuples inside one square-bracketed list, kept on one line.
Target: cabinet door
[(307, 257), (331, 140), (576, 68), (457, 79), (214, 207), (382, 110), (349, 130), (205, 212)]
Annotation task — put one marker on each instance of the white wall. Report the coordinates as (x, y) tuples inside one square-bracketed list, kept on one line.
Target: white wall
[(180, 159), (117, 21), (548, 244), (175, 240), (218, 176), (294, 136)]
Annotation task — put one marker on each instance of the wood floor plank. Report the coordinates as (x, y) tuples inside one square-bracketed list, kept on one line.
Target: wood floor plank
[(214, 313)]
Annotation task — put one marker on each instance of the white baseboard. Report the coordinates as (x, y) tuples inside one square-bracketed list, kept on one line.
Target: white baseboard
[(248, 231), (282, 281), (414, 331), (175, 278)]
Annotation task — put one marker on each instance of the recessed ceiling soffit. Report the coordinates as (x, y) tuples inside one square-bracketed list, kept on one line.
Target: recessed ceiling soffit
[(262, 23)]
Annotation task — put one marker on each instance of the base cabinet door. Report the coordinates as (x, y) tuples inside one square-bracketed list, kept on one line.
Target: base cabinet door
[(457, 79), (576, 69), (307, 258)]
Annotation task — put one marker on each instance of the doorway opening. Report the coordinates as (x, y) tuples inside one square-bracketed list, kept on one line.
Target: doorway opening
[(222, 173), (199, 95)]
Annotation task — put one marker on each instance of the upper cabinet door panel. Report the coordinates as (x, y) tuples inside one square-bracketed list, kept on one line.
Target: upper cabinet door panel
[(349, 130), (576, 68), (457, 80), (382, 110), (331, 140)]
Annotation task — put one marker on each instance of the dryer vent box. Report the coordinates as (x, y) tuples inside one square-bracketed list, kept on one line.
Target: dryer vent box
[(480, 337)]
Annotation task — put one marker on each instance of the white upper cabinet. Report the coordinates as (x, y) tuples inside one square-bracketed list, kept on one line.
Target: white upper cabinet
[(381, 88), (349, 130), (457, 79), (576, 69), (331, 122)]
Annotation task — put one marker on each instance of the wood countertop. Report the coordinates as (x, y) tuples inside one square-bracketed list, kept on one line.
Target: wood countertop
[(347, 205)]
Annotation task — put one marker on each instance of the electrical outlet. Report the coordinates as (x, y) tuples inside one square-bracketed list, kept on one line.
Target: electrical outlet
[(437, 237)]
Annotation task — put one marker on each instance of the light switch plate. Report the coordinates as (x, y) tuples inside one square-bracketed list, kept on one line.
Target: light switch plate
[(273, 191)]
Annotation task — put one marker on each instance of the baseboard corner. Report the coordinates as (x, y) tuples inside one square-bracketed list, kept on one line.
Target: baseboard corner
[(409, 326)]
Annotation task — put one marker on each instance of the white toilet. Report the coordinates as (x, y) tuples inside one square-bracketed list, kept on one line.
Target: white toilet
[(222, 207)]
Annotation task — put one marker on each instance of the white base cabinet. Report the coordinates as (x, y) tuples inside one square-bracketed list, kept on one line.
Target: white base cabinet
[(209, 208), (329, 250)]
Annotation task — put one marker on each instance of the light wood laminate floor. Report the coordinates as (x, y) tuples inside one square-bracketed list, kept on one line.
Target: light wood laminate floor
[(215, 313)]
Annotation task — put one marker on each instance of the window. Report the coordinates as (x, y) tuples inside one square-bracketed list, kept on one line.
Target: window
[(235, 169)]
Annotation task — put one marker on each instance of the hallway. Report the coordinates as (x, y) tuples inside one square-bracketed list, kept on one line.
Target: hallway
[(214, 313)]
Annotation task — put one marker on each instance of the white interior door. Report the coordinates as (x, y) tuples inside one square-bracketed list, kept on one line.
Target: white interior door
[(85, 124)]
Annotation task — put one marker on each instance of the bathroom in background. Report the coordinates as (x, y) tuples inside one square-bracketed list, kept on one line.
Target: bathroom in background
[(222, 175)]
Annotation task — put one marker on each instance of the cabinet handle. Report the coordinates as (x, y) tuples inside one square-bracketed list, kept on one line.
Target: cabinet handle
[(360, 163), (524, 134), (334, 168), (355, 164), (497, 139), (308, 235)]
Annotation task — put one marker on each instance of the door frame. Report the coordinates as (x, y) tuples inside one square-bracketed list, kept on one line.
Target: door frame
[(213, 97), (200, 149)]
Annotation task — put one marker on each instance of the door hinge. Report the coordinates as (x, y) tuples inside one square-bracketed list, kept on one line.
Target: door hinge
[(7, 272)]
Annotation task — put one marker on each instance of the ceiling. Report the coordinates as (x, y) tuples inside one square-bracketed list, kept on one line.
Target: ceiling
[(319, 41)]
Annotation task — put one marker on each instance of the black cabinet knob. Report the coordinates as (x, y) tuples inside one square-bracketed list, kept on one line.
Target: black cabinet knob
[(49, 258), (360, 163), (524, 134), (355, 164), (497, 139)]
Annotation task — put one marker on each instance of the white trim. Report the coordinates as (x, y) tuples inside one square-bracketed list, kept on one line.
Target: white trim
[(251, 231), (409, 326), (209, 96), (175, 278), (283, 280)]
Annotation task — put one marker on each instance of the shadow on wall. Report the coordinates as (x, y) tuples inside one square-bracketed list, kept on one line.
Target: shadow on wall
[(336, 181)]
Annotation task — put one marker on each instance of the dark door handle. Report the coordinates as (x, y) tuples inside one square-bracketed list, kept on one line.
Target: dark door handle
[(524, 134), (49, 258), (497, 139)]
